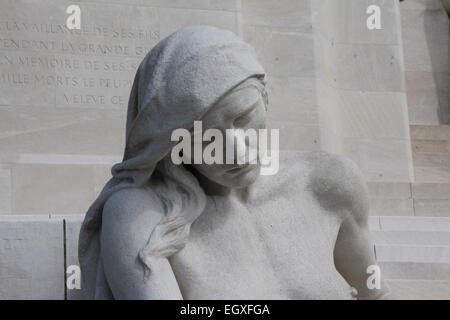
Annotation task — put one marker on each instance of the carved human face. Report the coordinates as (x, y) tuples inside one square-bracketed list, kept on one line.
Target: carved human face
[(242, 108)]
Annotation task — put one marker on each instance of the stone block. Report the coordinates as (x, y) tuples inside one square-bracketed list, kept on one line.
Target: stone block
[(432, 207), (389, 190), (69, 131), (355, 70), (51, 189), (381, 159), (431, 146), (391, 207), (432, 224), (429, 25), (292, 98), (423, 97), (425, 56), (282, 53), (411, 253), (345, 21), (431, 190), (296, 137), (432, 174), (226, 5), (413, 238), (90, 67), (421, 5), (431, 159), (419, 289), (374, 223), (424, 132), (293, 15), (73, 224), (31, 258), (373, 114), (5, 189), (172, 19), (415, 271)]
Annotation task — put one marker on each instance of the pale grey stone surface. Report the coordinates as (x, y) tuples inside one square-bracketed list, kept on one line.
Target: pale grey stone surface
[(72, 128), (411, 253), (391, 207), (431, 155), (353, 96), (433, 224), (63, 94), (381, 160), (31, 258), (432, 207), (5, 189), (389, 190), (420, 289), (55, 189), (415, 271), (73, 224), (374, 223), (424, 238), (431, 190), (349, 25), (426, 43)]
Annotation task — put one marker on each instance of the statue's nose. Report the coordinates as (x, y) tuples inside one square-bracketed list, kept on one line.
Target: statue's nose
[(242, 146)]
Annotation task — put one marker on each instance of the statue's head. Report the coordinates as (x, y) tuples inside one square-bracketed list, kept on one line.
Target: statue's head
[(241, 110)]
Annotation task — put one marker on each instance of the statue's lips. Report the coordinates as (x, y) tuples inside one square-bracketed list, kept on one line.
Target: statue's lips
[(240, 169)]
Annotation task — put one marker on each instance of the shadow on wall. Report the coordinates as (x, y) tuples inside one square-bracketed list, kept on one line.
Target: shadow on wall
[(446, 4), (439, 51)]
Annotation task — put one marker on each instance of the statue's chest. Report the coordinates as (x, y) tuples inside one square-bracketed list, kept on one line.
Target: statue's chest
[(274, 250)]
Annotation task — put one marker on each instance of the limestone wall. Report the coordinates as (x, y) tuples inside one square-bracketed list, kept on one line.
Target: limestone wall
[(360, 81), (63, 95), (333, 85), (425, 30)]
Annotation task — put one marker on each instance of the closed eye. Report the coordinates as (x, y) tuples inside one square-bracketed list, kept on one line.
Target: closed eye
[(245, 117)]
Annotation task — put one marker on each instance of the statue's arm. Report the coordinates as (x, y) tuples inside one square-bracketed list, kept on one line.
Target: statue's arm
[(354, 249), (129, 216)]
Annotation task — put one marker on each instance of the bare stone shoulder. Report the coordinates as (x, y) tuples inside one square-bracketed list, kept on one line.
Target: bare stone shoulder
[(338, 184), (130, 203)]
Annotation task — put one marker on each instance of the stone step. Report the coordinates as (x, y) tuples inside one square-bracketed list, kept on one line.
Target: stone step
[(432, 207), (430, 190), (419, 289), (410, 207), (406, 190), (409, 199), (399, 223), (430, 146), (411, 238), (413, 253), (414, 270), (431, 152), (432, 160), (430, 132), (432, 174)]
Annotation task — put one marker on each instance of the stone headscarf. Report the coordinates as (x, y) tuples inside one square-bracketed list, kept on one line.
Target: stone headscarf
[(176, 83)]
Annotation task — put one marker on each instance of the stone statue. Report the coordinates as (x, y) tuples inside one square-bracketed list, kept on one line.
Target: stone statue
[(161, 230)]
